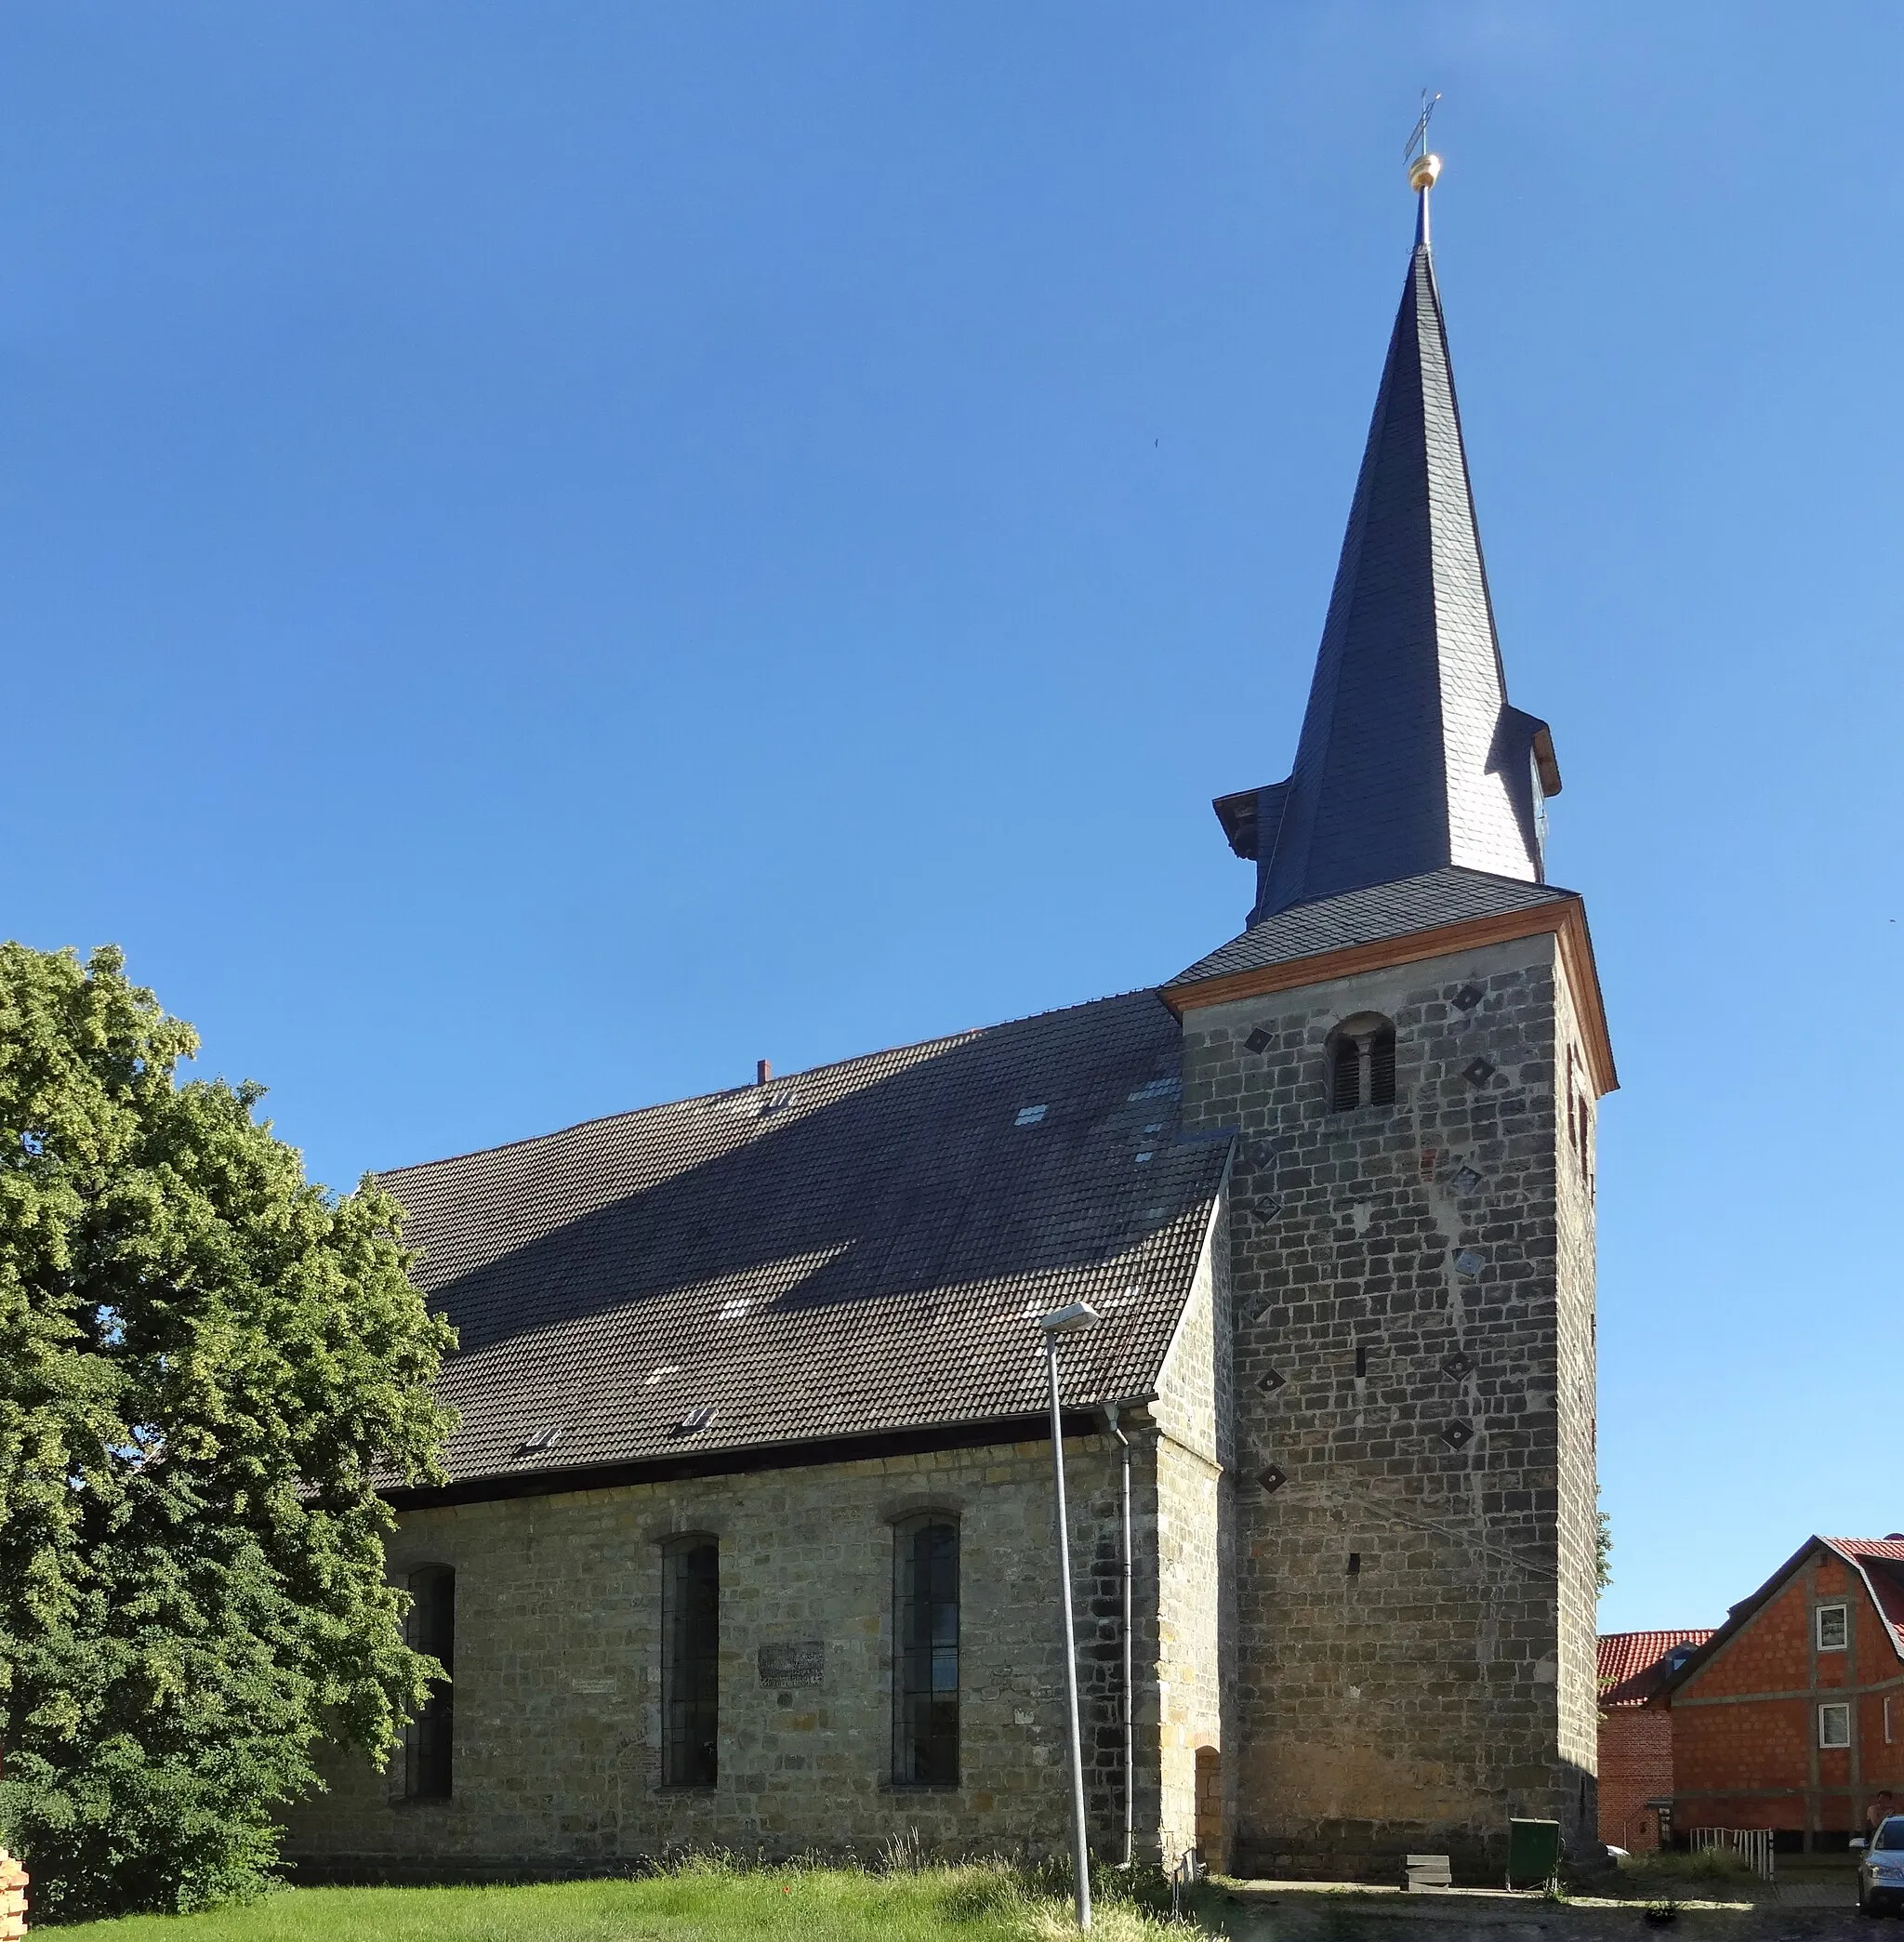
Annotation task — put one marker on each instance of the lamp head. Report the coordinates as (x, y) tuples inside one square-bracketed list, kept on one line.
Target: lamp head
[(1065, 1320)]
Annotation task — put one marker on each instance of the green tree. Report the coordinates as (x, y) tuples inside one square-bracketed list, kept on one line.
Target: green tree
[(207, 1365), (1603, 1549)]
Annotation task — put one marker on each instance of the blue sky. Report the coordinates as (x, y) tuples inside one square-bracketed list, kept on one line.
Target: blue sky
[(549, 552)]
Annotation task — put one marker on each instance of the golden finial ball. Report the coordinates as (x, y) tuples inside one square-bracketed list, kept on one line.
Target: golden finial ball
[(1423, 171)]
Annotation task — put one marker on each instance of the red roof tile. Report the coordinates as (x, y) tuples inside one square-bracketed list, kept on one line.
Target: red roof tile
[(1892, 1548), (1632, 1663), (1880, 1561)]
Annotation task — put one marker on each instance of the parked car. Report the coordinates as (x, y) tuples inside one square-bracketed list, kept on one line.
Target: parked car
[(1881, 1868)]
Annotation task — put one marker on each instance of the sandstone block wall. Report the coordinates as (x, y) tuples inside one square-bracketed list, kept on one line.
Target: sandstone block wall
[(1413, 1287), (13, 1892), (1195, 1491), (557, 1765)]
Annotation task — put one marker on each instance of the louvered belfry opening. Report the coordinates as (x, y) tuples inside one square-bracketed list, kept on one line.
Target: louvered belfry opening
[(925, 1671), (1345, 1076), (1381, 1066), (689, 1662), (429, 1738), (1361, 1065)]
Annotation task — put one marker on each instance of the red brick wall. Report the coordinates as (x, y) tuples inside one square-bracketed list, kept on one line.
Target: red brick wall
[(1635, 1767), (1753, 1761)]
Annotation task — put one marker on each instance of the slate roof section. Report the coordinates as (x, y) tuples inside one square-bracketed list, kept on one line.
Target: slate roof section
[(861, 1249), (1409, 757), (1632, 1664), (1370, 915)]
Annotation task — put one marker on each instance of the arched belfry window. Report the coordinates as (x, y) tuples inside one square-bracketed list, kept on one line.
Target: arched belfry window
[(1361, 1062)]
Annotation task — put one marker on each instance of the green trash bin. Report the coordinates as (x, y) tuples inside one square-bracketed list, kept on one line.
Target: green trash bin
[(1533, 1853)]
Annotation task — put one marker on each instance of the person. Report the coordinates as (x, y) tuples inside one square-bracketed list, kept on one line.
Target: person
[(1881, 1809)]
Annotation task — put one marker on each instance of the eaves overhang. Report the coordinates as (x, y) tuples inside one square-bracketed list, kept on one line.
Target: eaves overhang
[(748, 1460)]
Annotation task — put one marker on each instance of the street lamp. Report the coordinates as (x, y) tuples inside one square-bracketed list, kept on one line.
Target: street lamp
[(1068, 1320)]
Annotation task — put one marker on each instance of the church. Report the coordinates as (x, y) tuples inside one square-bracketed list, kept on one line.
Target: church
[(748, 1539)]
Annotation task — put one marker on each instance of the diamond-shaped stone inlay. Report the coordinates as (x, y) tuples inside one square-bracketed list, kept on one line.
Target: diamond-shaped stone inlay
[(1257, 1041), (1272, 1381), (1478, 1071), (1456, 1433), (1266, 1210), (1468, 1262), (1467, 1180), (1272, 1478), (1458, 1365), (1468, 997)]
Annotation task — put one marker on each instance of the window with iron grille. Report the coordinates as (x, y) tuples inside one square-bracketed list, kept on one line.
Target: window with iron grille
[(431, 1629), (1361, 1063), (925, 1660), (1835, 1725), (689, 1662)]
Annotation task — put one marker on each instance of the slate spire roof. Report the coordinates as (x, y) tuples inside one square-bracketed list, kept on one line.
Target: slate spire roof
[(1410, 759)]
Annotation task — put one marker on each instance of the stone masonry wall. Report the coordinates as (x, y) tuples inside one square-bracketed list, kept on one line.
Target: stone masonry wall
[(1576, 1401), (557, 1714), (1415, 1640), (1196, 1571)]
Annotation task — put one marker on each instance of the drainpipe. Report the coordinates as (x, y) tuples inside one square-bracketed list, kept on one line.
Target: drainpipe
[(1130, 1696)]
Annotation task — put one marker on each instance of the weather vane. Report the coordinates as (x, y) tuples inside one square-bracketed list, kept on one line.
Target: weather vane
[(1423, 167), (1419, 133)]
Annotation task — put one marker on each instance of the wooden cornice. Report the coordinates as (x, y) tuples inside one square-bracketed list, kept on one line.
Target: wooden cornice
[(1566, 918)]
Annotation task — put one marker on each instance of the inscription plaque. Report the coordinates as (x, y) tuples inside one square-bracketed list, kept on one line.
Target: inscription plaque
[(799, 1662)]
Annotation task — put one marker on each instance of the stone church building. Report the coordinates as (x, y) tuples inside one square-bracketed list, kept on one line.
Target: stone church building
[(748, 1539)]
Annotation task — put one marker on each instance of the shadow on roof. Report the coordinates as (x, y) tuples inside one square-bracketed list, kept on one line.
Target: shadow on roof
[(902, 1170)]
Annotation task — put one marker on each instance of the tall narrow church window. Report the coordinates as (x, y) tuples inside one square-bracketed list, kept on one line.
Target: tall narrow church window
[(925, 1661), (431, 1629), (1361, 1063), (689, 1662)]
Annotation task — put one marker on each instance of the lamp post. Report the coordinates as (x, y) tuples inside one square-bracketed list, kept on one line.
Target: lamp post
[(1068, 1320)]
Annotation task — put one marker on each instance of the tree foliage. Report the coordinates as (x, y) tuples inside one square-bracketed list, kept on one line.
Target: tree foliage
[(206, 1367)]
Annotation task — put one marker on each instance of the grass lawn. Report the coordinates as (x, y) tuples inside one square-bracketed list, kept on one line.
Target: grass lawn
[(702, 1903)]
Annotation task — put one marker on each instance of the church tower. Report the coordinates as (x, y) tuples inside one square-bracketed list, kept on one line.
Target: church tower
[(1407, 1041)]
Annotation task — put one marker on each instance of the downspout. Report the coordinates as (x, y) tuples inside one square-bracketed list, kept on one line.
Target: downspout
[(1130, 1694)]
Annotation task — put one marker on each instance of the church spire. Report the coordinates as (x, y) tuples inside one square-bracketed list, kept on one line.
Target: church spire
[(1411, 758)]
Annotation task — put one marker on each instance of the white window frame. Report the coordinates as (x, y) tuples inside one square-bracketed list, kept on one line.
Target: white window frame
[(1887, 1721), (1843, 1708), (1842, 1614)]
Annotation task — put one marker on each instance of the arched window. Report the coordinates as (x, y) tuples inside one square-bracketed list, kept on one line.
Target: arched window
[(690, 1661), (925, 1656), (431, 1629), (1361, 1062)]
